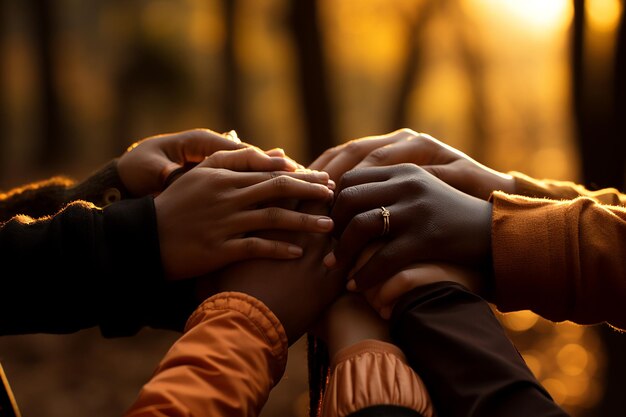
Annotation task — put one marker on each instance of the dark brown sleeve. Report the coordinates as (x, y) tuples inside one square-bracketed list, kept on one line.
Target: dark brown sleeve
[(454, 342)]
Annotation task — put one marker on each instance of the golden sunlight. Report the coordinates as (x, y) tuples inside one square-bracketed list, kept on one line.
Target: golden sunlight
[(540, 15), (603, 15)]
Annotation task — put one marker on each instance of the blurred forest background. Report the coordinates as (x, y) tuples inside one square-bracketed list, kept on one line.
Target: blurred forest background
[(529, 85)]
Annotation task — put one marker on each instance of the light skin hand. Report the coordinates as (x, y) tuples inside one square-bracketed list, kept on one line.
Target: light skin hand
[(297, 291), (204, 216), (146, 165), (430, 221), (384, 296), (342, 158), (407, 146)]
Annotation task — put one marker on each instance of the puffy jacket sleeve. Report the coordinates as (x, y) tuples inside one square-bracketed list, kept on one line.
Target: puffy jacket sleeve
[(370, 376), (233, 352), (565, 260)]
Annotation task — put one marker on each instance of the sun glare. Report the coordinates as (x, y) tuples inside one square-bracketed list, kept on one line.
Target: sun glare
[(540, 15), (603, 15)]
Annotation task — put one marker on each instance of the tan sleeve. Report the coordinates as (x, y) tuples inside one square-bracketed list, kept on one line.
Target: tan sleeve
[(233, 352), (371, 373), (565, 260), (561, 190)]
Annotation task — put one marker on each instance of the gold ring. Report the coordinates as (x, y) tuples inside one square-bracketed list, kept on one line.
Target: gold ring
[(386, 214)]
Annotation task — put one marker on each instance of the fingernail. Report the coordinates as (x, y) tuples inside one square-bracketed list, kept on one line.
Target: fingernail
[(325, 223), (331, 184), (330, 260), (351, 285), (294, 250), (331, 194)]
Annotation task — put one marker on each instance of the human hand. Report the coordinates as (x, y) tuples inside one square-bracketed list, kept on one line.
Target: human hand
[(342, 158), (407, 146), (297, 291), (204, 216), (429, 221), (148, 164), (382, 297)]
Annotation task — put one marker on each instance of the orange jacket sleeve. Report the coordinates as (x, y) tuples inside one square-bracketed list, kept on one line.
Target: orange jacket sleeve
[(232, 353), (563, 259), (564, 190), (372, 373)]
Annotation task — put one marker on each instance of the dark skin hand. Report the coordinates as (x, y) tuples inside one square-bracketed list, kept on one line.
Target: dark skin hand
[(297, 291), (429, 221)]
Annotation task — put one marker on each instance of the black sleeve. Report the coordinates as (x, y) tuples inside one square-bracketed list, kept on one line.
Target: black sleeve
[(86, 267), (455, 343), (46, 197)]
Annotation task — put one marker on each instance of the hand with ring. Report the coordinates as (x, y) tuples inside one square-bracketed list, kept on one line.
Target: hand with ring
[(415, 216)]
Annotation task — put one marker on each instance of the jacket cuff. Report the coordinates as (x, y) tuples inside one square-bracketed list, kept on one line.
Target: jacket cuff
[(373, 373), (261, 317), (102, 187)]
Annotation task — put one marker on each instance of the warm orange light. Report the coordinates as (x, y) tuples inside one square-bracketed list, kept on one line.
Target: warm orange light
[(603, 15), (572, 359), (538, 14), (520, 321)]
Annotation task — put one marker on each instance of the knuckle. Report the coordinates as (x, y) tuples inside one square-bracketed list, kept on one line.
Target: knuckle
[(347, 195), (408, 132), (272, 215), (280, 182), (252, 246), (362, 221), (354, 147), (378, 156)]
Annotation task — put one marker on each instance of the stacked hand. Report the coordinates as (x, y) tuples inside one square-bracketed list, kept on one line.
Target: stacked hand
[(428, 221), (407, 146)]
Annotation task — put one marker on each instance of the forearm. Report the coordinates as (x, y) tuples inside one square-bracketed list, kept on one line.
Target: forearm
[(82, 267), (563, 260), (47, 197), (233, 352), (455, 343)]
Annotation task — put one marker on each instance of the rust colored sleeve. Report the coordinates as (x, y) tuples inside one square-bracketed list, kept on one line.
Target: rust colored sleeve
[(565, 260), (561, 190), (233, 352), (372, 373)]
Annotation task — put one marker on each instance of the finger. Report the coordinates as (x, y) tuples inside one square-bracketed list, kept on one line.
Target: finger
[(199, 143), (361, 230), (239, 249), (282, 187), (401, 283), (248, 159), (365, 175), (247, 179), (280, 218), (321, 161), (279, 152), (386, 262), (352, 201), (356, 150)]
